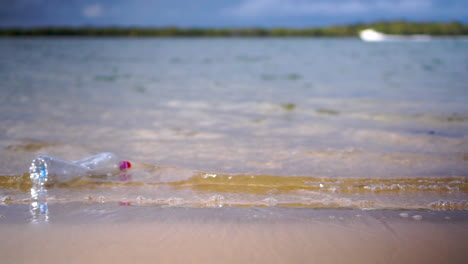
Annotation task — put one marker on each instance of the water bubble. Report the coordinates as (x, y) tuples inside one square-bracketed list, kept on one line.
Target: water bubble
[(209, 175), (417, 217), (456, 182), (175, 200), (450, 205), (270, 201), (217, 197), (216, 200), (404, 215), (140, 199)]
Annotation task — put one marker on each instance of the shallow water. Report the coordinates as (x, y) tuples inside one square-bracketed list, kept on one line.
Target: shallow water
[(316, 123), (243, 150)]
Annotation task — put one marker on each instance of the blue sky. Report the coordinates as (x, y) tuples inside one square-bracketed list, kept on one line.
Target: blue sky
[(225, 13)]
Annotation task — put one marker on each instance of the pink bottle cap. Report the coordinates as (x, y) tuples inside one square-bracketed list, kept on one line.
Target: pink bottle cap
[(125, 164)]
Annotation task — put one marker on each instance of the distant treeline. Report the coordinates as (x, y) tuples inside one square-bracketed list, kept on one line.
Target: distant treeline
[(395, 27)]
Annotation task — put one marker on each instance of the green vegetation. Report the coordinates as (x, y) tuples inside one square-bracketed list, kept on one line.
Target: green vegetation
[(288, 107), (325, 111), (294, 76), (394, 27)]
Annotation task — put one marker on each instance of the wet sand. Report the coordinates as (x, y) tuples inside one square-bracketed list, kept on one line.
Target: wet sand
[(89, 233)]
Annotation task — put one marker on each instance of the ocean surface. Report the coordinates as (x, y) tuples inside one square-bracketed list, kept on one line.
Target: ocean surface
[(232, 122)]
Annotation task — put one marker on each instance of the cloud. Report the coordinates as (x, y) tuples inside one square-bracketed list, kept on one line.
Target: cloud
[(94, 10), (255, 8)]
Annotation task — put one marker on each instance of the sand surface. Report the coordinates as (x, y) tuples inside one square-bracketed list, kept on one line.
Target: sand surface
[(83, 233)]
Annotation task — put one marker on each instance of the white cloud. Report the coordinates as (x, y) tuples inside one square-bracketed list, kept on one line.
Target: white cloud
[(94, 10), (254, 8)]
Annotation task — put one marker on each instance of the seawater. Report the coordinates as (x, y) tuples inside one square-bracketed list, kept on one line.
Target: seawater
[(209, 122)]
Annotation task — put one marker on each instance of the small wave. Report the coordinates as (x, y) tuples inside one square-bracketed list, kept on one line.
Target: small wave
[(254, 184), (261, 184), (449, 205), (149, 185), (217, 201), (21, 182)]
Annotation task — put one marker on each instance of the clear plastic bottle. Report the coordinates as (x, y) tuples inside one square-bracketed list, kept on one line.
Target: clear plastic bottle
[(49, 170), (103, 164)]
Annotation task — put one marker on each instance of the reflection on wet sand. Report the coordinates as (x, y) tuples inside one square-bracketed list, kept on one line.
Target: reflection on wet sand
[(38, 207)]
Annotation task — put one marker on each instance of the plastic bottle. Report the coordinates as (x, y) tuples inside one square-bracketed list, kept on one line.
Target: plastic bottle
[(49, 170)]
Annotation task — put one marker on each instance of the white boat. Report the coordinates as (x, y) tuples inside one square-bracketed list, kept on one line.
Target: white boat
[(372, 35)]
